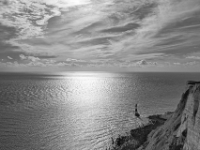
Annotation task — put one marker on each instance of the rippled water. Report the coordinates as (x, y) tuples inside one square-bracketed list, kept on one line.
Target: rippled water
[(80, 111)]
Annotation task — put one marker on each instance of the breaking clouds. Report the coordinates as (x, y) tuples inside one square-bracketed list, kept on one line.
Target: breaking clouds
[(129, 34)]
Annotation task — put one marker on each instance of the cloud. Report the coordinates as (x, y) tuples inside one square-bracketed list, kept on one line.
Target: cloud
[(133, 57), (193, 57), (145, 63), (178, 28), (170, 29), (177, 63), (78, 25), (30, 58), (7, 33), (141, 62), (75, 60), (100, 33), (9, 57), (124, 28), (192, 63), (28, 17), (22, 57)]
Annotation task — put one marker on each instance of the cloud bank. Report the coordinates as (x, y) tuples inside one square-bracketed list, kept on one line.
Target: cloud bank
[(106, 33)]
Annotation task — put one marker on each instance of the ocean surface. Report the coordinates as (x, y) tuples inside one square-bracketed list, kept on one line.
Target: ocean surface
[(81, 111)]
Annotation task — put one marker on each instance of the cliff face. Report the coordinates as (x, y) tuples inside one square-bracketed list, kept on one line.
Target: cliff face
[(182, 130), (192, 113)]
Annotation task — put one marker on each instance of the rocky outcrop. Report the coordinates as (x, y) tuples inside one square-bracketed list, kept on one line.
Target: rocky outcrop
[(181, 131)]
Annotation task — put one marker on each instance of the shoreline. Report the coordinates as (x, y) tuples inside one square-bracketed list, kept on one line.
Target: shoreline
[(138, 137)]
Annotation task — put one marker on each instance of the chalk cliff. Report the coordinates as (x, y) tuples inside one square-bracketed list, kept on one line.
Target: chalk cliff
[(181, 131)]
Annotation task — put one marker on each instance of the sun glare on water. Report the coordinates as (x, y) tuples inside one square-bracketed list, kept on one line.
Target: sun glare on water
[(88, 87)]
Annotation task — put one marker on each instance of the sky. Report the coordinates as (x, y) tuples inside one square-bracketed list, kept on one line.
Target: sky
[(99, 35)]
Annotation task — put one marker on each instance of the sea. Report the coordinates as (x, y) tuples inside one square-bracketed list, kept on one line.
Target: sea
[(81, 110)]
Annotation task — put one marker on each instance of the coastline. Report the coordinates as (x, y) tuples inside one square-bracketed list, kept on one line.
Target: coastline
[(171, 131), (138, 137)]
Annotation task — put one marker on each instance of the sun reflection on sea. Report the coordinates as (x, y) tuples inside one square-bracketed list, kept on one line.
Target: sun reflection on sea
[(89, 101), (88, 90)]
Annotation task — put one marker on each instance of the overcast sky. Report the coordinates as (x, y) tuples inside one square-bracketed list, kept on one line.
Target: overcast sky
[(102, 35)]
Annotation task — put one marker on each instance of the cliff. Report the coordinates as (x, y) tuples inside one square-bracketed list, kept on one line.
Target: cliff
[(180, 132)]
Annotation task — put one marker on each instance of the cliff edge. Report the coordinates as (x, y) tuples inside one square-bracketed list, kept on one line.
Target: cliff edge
[(180, 132)]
